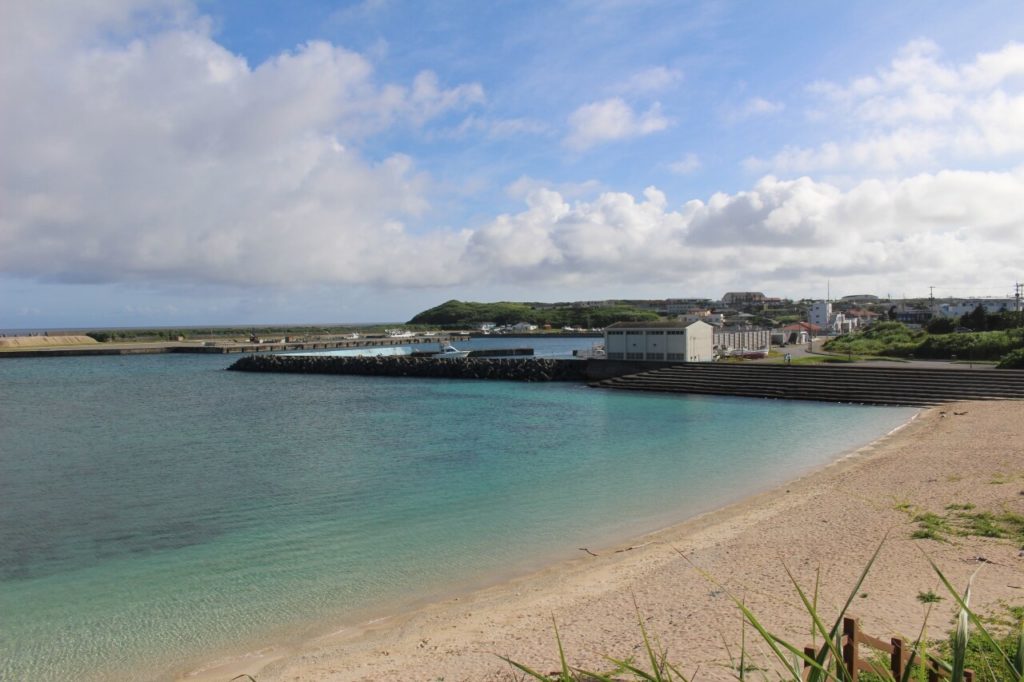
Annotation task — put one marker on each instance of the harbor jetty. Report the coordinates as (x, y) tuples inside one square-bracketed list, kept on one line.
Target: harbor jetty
[(897, 385), (507, 369)]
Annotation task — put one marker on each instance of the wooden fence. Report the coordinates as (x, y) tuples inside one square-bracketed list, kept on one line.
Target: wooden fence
[(901, 656)]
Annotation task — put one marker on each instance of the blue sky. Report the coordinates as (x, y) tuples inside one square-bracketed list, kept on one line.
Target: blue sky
[(230, 162)]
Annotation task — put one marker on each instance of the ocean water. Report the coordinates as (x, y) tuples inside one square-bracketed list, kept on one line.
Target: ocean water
[(158, 511)]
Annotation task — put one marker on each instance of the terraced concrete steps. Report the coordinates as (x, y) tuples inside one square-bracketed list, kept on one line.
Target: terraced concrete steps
[(874, 385)]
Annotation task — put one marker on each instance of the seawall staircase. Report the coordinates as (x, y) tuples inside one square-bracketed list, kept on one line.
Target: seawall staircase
[(845, 384)]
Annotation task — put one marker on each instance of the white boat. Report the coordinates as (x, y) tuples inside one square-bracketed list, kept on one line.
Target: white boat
[(398, 334), (450, 353), (595, 352)]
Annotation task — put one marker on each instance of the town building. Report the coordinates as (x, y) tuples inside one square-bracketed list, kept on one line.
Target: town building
[(705, 315), (665, 341), (726, 342), (743, 297), (820, 314), (799, 332), (962, 307)]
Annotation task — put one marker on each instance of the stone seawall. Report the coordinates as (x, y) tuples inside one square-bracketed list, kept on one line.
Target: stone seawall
[(540, 369)]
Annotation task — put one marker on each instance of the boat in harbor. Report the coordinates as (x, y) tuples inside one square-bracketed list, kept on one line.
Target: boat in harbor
[(450, 352), (595, 352)]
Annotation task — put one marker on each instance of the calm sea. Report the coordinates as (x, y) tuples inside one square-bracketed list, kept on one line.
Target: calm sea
[(157, 511)]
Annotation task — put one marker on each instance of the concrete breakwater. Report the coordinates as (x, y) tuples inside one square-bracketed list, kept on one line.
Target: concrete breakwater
[(538, 369)]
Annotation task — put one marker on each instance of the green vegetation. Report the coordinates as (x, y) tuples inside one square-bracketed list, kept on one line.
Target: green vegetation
[(465, 313), (264, 331), (1012, 360), (995, 658), (931, 527), (961, 520), (973, 345), (894, 339), (992, 647), (881, 338)]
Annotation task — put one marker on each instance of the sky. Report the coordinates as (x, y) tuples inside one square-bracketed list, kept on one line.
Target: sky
[(177, 162)]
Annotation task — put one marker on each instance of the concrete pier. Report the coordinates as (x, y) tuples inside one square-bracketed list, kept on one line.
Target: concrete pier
[(225, 347)]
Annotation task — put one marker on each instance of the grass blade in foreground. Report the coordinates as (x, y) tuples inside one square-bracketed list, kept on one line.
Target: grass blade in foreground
[(976, 621)]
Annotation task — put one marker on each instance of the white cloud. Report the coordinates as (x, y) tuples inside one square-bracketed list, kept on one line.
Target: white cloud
[(497, 128), (959, 227), (918, 113), (166, 157), (610, 120), (758, 106), (654, 79), (688, 164), (428, 99)]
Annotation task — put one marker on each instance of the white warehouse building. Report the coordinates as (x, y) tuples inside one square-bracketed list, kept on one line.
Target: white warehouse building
[(965, 307), (665, 341)]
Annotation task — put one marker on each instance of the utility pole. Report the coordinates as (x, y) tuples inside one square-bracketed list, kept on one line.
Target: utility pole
[(1017, 289)]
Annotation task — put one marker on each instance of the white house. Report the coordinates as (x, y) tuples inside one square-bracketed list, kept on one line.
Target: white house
[(716, 319), (666, 341), (844, 324), (520, 327)]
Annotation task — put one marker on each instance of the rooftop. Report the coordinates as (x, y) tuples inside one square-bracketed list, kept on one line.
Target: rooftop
[(645, 324)]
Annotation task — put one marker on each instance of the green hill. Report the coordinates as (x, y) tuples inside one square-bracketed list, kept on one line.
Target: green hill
[(466, 313)]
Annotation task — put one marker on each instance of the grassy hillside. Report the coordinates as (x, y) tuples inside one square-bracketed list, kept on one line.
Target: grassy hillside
[(893, 339), (466, 313)]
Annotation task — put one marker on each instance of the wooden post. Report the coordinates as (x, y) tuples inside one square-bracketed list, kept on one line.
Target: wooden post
[(809, 652), (850, 652), (896, 658)]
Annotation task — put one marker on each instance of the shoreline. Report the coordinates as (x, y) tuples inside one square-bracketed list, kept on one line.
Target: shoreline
[(375, 622), (742, 545)]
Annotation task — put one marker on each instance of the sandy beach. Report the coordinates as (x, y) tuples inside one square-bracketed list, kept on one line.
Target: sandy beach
[(830, 522)]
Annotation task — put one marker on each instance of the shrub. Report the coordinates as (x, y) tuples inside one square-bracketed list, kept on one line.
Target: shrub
[(1012, 360)]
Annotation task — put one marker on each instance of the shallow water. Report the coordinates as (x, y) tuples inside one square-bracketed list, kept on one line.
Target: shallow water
[(157, 510)]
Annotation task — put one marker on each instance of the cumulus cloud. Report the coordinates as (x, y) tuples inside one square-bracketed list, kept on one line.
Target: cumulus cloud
[(958, 227), (917, 113), (136, 148), (610, 120), (165, 156)]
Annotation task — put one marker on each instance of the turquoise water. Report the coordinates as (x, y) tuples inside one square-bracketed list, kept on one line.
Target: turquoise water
[(158, 511)]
